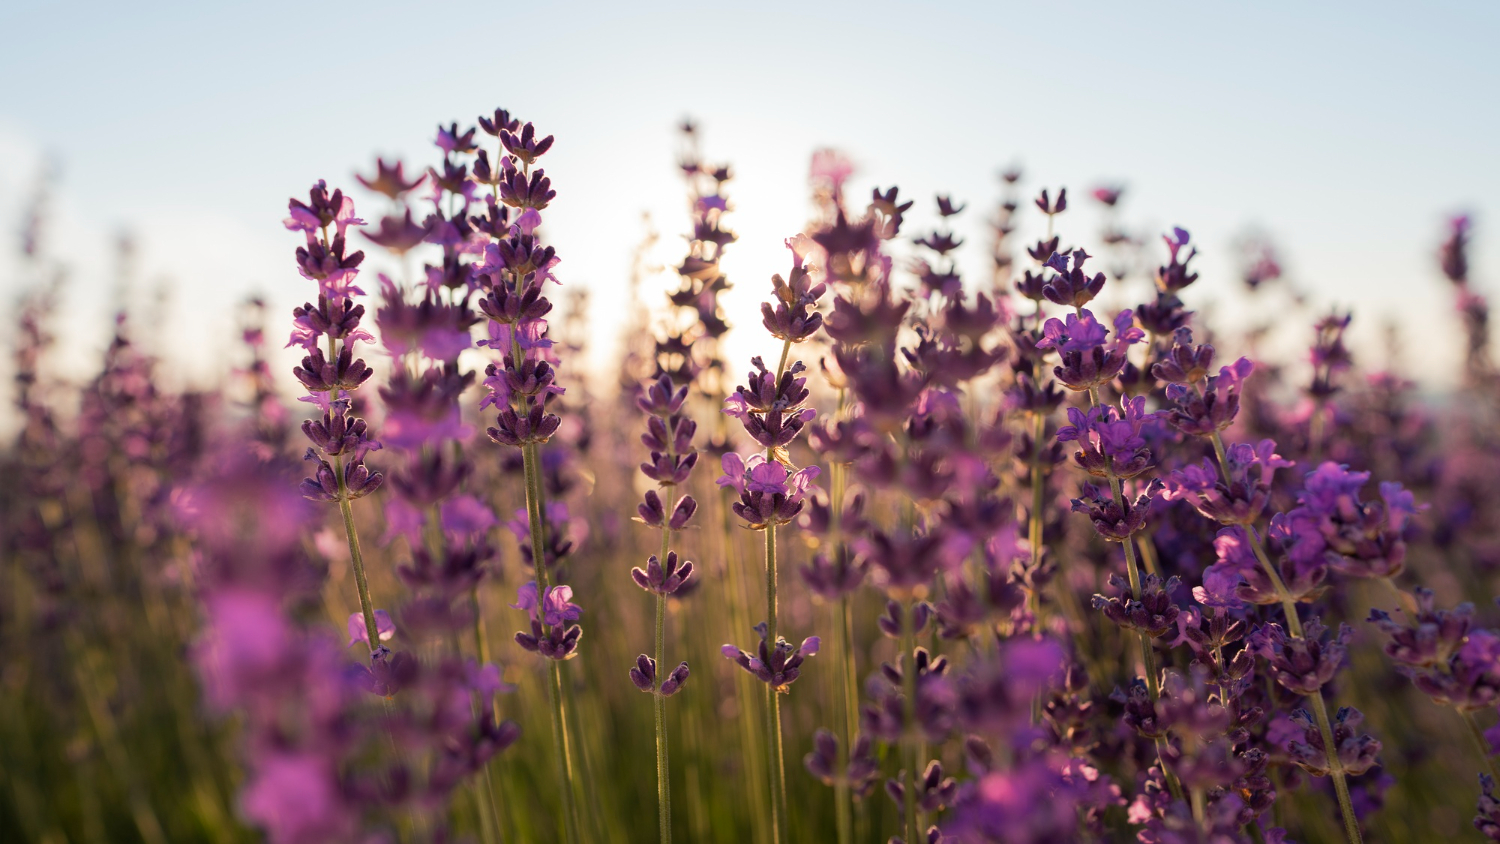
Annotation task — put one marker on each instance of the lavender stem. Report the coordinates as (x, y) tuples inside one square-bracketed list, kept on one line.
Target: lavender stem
[(531, 464), (1340, 784), (909, 715), (1132, 571), (659, 704), (773, 697), (356, 557), (1480, 744), (1294, 625)]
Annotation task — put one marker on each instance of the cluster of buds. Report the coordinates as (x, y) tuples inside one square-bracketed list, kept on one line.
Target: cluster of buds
[(551, 635), (328, 332), (777, 665), (669, 437), (510, 280), (1444, 655)]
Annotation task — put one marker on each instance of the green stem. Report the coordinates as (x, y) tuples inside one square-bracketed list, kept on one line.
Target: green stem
[(773, 697), (492, 824), (1148, 655), (1294, 625), (356, 557), (1480, 744), (751, 745), (1038, 495), (659, 704), (850, 699), (908, 664), (531, 465), (1336, 769), (86, 672), (848, 690), (1408, 603)]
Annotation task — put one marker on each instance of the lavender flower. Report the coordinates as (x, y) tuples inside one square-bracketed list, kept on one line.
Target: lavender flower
[(779, 665), (550, 635), (1087, 360), (769, 494)]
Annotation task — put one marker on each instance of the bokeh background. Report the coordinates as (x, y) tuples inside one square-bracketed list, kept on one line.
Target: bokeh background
[(1344, 132), (1345, 135)]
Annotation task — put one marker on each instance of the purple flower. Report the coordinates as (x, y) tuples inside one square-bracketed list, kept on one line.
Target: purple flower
[(836, 575), (859, 773), (1080, 333), (1357, 538), (662, 579), (1302, 664), (1244, 499), (1430, 639), (1356, 752), (556, 607), (1110, 438), (1184, 362), (1214, 408), (768, 493), (555, 610), (1471, 680), (1072, 288), (1116, 521), (1175, 275), (1153, 613), (466, 515), (643, 675), (777, 666), (296, 797), (320, 211), (1032, 803), (1488, 819), (904, 560), (390, 180), (384, 627), (1080, 342)]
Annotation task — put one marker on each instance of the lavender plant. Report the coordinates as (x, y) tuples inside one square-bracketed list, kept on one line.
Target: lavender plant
[(515, 267), (1164, 642)]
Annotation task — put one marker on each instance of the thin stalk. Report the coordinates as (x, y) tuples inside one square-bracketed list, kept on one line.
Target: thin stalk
[(1148, 655), (1034, 537), (659, 704), (491, 823), (1315, 429), (531, 464), (773, 697), (848, 689), (1480, 744), (490, 826), (106, 730), (1336, 768), (849, 694), (751, 745), (908, 665), (1038, 495), (1408, 603), (1294, 625), (356, 557), (1147, 548)]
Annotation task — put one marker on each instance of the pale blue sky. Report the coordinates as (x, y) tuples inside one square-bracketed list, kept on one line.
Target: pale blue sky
[(1348, 131)]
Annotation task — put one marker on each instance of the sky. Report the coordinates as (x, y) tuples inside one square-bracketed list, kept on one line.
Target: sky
[(1347, 132)]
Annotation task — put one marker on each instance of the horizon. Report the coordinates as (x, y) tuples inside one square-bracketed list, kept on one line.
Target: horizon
[(189, 127)]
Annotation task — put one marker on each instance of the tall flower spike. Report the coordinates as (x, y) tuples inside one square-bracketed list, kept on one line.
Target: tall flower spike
[(341, 439)]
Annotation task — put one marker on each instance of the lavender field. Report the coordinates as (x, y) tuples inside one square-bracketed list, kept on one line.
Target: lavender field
[(1097, 545)]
